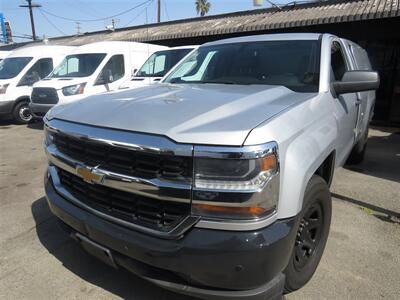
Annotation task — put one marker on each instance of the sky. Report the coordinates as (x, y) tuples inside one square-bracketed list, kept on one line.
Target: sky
[(49, 20)]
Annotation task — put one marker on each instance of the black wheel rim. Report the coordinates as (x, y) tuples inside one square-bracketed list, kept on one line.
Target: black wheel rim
[(308, 236)]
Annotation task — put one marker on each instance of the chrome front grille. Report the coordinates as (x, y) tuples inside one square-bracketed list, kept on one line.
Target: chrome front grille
[(143, 211), (136, 180), (125, 161), (44, 95)]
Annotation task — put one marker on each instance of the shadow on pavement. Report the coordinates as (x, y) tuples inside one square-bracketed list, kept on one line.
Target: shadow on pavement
[(38, 125), (5, 123), (119, 282), (382, 158)]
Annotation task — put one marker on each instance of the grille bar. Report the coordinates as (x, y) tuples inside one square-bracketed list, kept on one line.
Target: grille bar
[(144, 211), (125, 161)]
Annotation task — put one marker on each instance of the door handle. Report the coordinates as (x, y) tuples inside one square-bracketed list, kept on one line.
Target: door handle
[(358, 101)]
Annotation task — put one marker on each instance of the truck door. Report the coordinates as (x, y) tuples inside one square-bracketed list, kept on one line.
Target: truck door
[(112, 75), (345, 105), (361, 62)]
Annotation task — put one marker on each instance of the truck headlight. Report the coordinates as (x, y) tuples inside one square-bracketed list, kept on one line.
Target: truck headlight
[(74, 89), (48, 136), (236, 182)]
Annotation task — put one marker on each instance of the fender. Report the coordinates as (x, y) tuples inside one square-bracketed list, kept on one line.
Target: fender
[(21, 99), (306, 135)]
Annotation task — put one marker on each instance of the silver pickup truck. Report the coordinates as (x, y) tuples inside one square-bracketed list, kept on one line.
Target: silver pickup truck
[(215, 182)]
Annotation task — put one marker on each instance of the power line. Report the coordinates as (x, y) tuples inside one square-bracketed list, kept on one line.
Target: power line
[(28, 37), (139, 14), (96, 20), (166, 9), (88, 9), (52, 24)]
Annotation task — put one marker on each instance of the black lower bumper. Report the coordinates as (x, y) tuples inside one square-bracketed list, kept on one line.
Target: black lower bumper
[(6, 107), (39, 110), (209, 264)]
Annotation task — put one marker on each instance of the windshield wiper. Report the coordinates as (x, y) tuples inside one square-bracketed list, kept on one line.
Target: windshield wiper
[(217, 82)]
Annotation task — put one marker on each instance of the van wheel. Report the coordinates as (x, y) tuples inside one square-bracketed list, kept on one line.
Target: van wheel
[(358, 153), (22, 113), (312, 234)]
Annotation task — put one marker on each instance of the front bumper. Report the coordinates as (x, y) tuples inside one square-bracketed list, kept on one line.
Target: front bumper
[(39, 110), (6, 107), (209, 264)]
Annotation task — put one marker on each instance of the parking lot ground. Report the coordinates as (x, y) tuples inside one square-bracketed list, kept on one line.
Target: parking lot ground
[(39, 261)]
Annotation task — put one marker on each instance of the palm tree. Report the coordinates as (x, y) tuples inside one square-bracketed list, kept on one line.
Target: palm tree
[(202, 7)]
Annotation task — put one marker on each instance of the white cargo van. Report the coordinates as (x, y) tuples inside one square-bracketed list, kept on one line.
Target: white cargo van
[(19, 71), (90, 69), (156, 66)]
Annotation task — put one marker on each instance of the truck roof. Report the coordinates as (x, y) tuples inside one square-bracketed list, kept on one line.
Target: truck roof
[(267, 37)]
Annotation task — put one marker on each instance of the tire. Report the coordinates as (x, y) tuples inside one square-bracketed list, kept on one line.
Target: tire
[(313, 229), (21, 113), (358, 152)]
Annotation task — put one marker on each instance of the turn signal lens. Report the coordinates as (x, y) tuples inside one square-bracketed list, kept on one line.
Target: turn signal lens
[(232, 212), (269, 163)]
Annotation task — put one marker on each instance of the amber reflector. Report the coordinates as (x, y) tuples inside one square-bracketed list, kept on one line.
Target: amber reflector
[(250, 211), (269, 163)]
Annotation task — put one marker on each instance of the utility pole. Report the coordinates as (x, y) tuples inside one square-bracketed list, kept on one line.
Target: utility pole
[(158, 11), (30, 6), (78, 28)]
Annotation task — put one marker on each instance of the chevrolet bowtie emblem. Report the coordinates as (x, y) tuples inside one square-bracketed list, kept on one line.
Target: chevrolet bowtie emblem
[(90, 175)]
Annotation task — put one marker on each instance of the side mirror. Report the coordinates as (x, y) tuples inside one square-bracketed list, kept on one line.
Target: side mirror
[(107, 76), (356, 81)]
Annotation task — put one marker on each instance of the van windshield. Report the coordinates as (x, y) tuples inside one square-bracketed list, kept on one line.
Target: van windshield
[(12, 66), (78, 65), (160, 62), (293, 64)]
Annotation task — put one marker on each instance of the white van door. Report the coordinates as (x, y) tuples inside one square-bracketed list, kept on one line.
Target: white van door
[(112, 75)]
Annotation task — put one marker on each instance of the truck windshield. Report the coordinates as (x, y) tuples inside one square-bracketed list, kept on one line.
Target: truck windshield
[(293, 64), (78, 65), (11, 67), (160, 62)]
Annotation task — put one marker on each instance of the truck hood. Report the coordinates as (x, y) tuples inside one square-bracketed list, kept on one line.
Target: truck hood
[(136, 82), (59, 83), (211, 114)]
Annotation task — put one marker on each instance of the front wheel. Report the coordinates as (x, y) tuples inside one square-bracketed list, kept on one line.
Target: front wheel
[(312, 234), (22, 114)]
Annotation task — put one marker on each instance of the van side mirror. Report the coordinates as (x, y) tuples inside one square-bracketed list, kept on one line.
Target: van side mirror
[(107, 76), (356, 81)]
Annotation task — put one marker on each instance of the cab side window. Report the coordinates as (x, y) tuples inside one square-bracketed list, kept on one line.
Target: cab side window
[(338, 62), (38, 71), (113, 70)]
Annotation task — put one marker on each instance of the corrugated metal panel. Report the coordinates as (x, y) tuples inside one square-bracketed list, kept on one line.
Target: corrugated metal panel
[(261, 19)]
